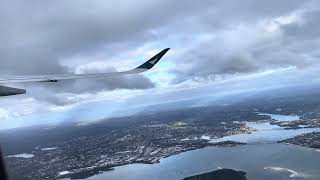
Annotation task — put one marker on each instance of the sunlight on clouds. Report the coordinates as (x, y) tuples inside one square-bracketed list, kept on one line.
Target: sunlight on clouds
[(22, 107), (81, 99), (93, 106), (62, 108), (273, 25), (213, 48), (4, 113)]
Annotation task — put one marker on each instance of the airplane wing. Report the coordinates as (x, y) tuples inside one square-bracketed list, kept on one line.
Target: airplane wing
[(55, 78)]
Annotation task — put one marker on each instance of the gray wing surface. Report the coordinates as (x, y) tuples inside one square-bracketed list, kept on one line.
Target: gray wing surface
[(54, 78)]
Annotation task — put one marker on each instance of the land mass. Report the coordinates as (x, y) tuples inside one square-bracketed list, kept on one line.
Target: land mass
[(82, 149), (310, 140), (221, 174)]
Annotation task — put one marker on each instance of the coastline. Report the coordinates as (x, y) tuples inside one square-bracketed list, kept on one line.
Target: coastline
[(213, 158), (86, 173)]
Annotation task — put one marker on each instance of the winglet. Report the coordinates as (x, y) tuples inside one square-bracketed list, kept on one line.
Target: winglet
[(153, 61)]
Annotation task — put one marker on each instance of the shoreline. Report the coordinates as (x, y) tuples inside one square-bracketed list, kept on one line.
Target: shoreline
[(97, 170), (148, 143), (114, 168)]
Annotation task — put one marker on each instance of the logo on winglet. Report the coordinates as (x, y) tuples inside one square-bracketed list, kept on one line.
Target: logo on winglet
[(154, 61)]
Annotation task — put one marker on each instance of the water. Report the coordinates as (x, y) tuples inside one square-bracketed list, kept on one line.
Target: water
[(279, 117), (267, 132), (260, 161), (262, 158)]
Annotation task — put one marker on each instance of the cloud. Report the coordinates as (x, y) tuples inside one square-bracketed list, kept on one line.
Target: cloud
[(50, 34), (210, 41), (38, 37), (247, 48), (241, 42), (4, 114)]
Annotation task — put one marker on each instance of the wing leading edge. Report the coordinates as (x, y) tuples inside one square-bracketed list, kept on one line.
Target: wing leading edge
[(54, 78)]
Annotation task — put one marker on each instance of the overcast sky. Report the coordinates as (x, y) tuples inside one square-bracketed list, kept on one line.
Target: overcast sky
[(214, 44)]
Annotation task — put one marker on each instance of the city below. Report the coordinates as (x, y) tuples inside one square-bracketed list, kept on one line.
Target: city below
[(83, 149)]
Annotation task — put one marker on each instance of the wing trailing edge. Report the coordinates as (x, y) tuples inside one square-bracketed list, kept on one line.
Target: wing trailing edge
[(55, 78)]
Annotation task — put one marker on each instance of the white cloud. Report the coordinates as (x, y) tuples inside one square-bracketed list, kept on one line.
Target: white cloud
[(4, 113), (213, 46)]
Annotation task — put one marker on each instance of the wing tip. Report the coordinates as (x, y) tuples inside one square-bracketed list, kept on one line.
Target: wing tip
[(154, 60)]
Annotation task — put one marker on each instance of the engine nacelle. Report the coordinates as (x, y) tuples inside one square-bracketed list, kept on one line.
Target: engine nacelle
[(9, 91)]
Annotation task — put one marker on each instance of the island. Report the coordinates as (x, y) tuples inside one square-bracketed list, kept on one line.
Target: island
[(221, 174)]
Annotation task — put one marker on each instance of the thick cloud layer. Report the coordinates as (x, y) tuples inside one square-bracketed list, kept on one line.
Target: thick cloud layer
[(44, 32), (254, 37), (241, 38), (38, 36), (209, 39)]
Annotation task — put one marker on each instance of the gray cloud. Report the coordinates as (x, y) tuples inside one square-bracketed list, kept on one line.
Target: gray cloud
[(252, 38), (35, 36), (210, 39), (98, 84), (38, 35)]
